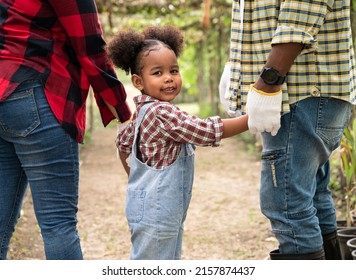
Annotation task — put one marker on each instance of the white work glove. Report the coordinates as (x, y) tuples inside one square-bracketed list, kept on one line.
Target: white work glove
[(264, 111), (224, 86), (224, 90)]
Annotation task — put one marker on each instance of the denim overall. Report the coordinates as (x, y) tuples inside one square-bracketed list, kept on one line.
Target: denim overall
[(157, 201)]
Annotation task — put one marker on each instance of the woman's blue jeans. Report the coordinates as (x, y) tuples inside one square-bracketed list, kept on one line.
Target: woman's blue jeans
[(294, 193), (36, 150)]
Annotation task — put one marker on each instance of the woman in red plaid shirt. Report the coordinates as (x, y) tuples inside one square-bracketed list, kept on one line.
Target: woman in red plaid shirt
[(50, 53), (160, 139)]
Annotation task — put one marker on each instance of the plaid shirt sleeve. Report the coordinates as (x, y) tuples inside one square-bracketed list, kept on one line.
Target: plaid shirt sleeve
[(124, 140), (300, 22), (175, 125), (81, 23)]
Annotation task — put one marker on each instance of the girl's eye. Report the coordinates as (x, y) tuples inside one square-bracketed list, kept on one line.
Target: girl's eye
[(157, 73)]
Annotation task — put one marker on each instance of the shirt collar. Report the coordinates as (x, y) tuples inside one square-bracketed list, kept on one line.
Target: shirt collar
[(140, 100)]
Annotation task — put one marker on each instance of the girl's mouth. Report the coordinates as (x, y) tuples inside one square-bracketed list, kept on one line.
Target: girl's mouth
[(169, 90)]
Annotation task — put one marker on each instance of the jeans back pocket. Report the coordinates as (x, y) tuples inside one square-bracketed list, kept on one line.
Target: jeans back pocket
[(19, 114), (333, 116)]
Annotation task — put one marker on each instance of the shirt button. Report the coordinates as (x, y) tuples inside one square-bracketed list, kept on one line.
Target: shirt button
[(314, 91)]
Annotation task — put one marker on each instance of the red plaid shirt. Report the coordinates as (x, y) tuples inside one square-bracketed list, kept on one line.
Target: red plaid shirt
[(61, 44), (164, 127)]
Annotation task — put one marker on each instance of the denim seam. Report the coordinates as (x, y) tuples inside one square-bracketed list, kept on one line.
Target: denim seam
[(76, 177), (289, 150), (158, 208), (12, 214), (73, 160)]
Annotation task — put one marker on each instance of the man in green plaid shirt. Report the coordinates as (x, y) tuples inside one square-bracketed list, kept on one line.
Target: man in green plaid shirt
[(291, 68)]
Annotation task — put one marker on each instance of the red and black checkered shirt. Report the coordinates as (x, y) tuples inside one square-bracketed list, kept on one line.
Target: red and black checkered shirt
[(164, 128), (59, 43)]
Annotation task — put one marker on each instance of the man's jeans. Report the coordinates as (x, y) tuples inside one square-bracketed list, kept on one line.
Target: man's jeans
[(295, 174), (36, 150)]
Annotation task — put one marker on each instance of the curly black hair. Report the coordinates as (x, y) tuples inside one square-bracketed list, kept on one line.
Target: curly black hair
[(126, 48)]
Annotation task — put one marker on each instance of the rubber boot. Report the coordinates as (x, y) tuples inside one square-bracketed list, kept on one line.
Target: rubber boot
[(331, 246), (318, 255)]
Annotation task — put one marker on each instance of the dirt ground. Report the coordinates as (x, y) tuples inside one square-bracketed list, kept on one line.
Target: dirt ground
[(224, 220)]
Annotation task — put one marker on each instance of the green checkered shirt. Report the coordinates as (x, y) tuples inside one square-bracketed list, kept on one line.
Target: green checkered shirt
[(324, 68)]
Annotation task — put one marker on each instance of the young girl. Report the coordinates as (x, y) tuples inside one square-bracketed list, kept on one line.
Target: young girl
[(160, 139)]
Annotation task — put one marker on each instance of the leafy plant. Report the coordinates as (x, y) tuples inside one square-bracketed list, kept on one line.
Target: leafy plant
[(348, 160)]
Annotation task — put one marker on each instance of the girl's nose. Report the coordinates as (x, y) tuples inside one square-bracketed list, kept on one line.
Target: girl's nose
[(168, 78)]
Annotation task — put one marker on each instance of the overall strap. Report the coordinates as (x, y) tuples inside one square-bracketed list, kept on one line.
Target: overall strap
[(142, 113), (138, 123)]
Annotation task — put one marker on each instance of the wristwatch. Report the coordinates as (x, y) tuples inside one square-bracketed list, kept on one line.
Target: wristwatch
[(271, 76)]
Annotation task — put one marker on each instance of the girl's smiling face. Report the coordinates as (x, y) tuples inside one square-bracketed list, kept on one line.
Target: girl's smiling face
[(159, 76)]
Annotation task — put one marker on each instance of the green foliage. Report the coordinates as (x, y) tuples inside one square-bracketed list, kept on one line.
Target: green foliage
[(348, 160), (207, 45), (87, 138), (336, 181), (252, 143), (205, 110), (188, 71)]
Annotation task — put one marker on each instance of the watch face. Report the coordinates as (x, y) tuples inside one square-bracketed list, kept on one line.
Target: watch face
[(270, 76)]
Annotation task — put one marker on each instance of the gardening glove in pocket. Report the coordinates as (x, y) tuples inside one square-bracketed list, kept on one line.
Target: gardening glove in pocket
[(224, 86), (224, 91), (264, 110)]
